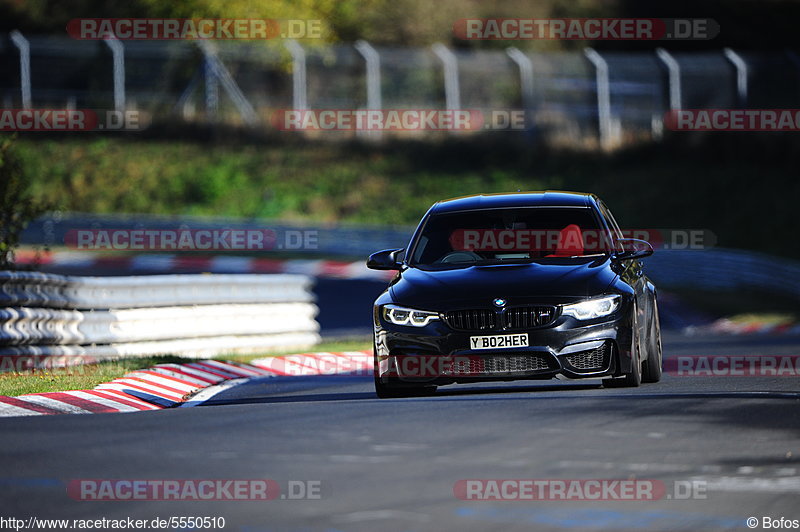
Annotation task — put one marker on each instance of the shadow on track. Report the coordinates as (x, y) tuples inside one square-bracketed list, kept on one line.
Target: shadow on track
[(359, 388), (306, 389)]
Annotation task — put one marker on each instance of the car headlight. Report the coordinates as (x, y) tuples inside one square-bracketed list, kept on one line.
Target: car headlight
[(408, 316), (592, 308)]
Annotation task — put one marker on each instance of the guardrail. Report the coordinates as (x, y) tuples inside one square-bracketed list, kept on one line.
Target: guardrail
[(725, 270), (328, 240), (190, 315), (718, 269)]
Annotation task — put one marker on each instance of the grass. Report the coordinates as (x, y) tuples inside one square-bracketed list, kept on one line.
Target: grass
[(355, 344), (88, 376), (82, 377)]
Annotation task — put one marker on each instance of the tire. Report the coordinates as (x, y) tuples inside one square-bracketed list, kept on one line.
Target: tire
[(652, 367), (383, 390), (394, 391), (633, 378)]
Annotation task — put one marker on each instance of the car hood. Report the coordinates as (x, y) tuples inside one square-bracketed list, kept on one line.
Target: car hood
[(516, 283)]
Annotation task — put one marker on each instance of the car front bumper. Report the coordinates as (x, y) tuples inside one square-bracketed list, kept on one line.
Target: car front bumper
[(436, 354)]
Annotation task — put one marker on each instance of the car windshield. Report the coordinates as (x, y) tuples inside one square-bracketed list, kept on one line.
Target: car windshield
[(509, 235)]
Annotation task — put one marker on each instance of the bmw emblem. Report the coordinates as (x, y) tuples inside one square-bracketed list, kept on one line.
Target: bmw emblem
[(499, 302)]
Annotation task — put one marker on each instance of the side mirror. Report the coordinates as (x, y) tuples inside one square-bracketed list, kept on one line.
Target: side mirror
[(632, 248), (388, 259)]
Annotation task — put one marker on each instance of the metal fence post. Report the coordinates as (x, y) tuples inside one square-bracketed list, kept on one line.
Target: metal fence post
[(525, 78), (373, 60), (118, 55), (217, 71), (452, 92), (741, 75), (674, 70), (212, 88), (24, 67), (299, 87), (603, 96), (373, 64)]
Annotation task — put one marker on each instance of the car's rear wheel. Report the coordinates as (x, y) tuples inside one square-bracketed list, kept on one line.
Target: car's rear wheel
[(652, 367)]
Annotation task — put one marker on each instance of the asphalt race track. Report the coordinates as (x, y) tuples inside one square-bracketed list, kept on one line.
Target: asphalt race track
[(392, 464)]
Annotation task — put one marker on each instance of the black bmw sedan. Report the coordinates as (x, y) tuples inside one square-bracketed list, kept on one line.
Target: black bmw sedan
[(527, 285)]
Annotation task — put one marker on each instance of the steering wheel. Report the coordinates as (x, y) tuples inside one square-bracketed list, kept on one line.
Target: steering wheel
[(459, 256)]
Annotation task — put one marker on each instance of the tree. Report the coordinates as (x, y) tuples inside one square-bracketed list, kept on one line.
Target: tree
[(17, 208)]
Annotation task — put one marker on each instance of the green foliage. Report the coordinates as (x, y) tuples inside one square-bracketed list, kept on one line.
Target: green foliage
[(745, 23), (697, 184), (17, 208), (83, 377)]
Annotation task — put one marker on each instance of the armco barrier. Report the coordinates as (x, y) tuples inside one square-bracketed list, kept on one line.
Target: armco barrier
[(716, 269), (33, 289), (330, 240), (725, 270), (711, 269), (44, 315)]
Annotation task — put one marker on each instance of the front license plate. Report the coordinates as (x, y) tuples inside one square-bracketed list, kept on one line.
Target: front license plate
[(498, 341)]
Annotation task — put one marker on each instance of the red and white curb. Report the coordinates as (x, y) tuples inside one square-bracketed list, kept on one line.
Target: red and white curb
[(174, 263), (171, 385)]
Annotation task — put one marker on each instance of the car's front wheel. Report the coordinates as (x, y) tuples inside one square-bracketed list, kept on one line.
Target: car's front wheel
[(392, 391), (633, 378)]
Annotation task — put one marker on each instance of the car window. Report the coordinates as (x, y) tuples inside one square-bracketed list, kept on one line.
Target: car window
[(604, 210), (519, 234)]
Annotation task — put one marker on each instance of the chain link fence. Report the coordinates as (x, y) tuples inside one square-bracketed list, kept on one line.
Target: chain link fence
[(246, 83)]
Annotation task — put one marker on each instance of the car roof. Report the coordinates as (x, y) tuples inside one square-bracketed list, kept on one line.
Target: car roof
[(547, 198)]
